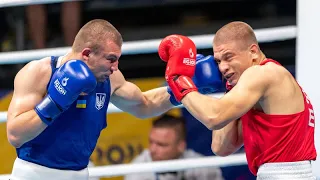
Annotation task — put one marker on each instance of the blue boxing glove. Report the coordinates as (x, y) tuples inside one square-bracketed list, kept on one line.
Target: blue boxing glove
[(66, 84), (207, 78)]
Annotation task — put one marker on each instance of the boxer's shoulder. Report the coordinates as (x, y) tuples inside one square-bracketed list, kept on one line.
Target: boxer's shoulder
[(271, 79), (276, 73), (37, 70), (274, 68), (40, 67), (259, 73), (268, 72)]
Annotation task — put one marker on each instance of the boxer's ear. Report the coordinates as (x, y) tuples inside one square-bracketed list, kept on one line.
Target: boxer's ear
[(254, 52), (85, 53)]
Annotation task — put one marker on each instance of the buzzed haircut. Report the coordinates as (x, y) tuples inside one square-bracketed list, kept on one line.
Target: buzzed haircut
[(236, 31), (94, 35), (169, 121)]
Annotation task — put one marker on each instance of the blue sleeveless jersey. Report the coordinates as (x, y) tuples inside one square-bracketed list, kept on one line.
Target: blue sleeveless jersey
[(70, 140)]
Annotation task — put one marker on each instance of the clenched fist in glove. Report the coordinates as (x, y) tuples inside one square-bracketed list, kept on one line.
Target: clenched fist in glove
[(180, 54)]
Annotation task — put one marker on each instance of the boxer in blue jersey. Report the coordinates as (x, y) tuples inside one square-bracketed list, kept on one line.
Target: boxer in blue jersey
[(59, 104)]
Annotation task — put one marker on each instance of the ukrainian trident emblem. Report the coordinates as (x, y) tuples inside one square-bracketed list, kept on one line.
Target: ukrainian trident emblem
[(100, 98)]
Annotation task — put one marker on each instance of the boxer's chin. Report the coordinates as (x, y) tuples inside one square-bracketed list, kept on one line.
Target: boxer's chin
[(103, 78), (232, 82)]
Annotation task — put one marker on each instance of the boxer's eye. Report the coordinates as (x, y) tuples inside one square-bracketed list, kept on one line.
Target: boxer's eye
[(111, 58), (228, 58)]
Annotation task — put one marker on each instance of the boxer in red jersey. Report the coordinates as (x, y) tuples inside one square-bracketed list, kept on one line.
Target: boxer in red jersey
[(266, 110)]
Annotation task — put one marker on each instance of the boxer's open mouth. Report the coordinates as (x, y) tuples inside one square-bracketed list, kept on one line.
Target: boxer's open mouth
[(229, 76)]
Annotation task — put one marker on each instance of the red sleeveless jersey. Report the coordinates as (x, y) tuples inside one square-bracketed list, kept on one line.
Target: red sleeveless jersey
[(278, 138)]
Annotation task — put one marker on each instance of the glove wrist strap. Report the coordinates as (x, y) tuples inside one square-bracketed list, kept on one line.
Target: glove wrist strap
[(48, 110)]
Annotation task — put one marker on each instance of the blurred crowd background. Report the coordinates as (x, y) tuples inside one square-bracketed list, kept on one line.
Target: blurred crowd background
[(55, 25)]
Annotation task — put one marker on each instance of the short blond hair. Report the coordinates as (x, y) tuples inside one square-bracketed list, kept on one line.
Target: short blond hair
[(94, 34), (236, 31)]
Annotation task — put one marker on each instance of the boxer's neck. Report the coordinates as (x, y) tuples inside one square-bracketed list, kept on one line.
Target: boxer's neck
[(70, 56), (261, 58)]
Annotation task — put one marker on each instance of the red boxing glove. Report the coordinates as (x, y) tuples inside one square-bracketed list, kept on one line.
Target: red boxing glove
[(180, 54)]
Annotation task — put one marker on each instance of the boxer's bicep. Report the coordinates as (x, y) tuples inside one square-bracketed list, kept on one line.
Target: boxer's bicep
[(129, 98), (128, 94), (30, 84), (248, 91), (125, 95), (228, 139)]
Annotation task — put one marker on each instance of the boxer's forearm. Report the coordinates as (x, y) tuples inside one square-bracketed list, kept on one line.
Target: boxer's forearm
[(156, 102), (24, 128), (227, 140), (208, 110), (129, 98)]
